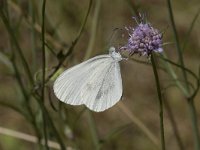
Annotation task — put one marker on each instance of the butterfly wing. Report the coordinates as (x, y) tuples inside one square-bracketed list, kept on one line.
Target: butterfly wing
[(68, 85), (104, 88), (96, 83)]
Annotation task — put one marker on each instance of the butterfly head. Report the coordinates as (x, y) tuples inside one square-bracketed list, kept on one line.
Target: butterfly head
[(115, 55)]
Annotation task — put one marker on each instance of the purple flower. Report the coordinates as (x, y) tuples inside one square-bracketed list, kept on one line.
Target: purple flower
[(143, 40)]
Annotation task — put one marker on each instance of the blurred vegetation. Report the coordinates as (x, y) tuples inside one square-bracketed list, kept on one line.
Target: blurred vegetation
[(39, 40)]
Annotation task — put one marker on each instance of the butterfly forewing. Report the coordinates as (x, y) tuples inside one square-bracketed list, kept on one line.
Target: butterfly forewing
[(67, 86)]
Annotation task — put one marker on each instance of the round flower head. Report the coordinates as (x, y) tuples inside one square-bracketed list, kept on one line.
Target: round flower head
[(143, 40)]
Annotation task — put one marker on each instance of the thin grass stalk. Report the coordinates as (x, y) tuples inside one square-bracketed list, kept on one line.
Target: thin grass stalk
[(51, 124), (173, 75), (178, 47), (190, 30), (15, 42), (5, 60), (117, 131), (28, 108), (26, 97), (43, 73), (192, 110), (190, 99), (186, 69), (174, 125), (171, 72), (43, 50), (33, 35), (162, 131), (139, 124)]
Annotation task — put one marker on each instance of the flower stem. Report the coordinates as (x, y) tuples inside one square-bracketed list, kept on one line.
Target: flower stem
[(162, 133)]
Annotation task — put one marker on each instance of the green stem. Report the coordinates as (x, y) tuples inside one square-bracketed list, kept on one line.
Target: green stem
[(173, 75), (43, 50), (177, 44), (51, 124), (160, 102), (193, 116), (43, 73)]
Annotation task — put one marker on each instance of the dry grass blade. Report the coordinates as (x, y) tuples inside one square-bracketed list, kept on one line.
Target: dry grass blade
[(139, 123), (28, 138)]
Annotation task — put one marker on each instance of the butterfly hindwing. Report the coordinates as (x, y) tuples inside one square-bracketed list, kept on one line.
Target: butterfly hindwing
[(106, 87)]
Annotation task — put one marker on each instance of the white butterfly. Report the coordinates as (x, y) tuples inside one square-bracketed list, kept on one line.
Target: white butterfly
[(96, 82)]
